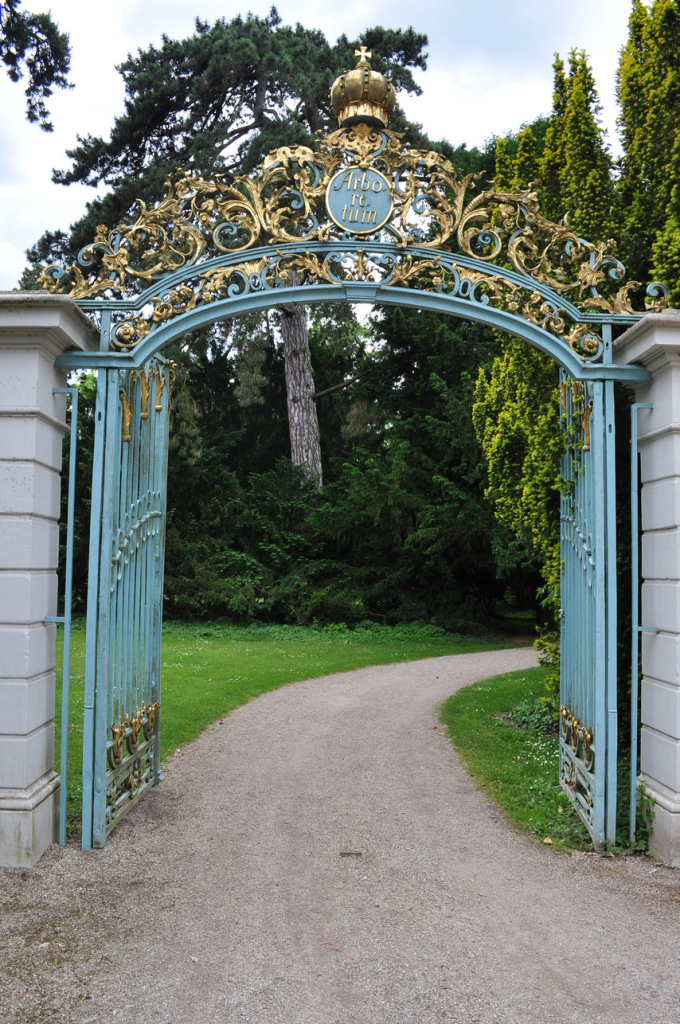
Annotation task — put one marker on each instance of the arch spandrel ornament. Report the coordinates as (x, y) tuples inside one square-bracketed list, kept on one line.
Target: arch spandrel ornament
[(215, 241)]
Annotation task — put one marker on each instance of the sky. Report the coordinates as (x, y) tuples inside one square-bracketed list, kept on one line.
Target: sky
[(489, 72)]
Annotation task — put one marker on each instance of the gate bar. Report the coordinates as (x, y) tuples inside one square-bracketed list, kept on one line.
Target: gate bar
[(66, 617), (610, 606), (635, 612), (93, 607)]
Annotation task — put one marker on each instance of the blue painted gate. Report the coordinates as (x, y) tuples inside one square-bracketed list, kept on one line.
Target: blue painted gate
[(588, 719), (213, 249), (121, 755)]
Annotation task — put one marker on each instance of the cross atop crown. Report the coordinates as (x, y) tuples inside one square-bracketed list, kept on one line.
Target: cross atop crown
[(363, 54)]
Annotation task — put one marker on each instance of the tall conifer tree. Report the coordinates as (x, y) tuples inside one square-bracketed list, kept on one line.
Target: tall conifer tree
[(516, 405), (648, 89), (525, 167)]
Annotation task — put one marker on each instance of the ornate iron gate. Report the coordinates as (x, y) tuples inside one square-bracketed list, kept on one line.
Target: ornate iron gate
[(122, 686), (291, 232), (588, 606)]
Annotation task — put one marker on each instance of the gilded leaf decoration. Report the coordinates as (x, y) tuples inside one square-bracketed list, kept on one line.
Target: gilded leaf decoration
[(522, 262)]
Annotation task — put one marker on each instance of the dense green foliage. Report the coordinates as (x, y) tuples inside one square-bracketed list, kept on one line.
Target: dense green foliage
[(516, 405), (31, 44), (401, 530), (649, 96), (516, 416), (575, 166)]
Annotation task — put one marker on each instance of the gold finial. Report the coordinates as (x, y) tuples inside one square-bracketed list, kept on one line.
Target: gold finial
[(364, 56)]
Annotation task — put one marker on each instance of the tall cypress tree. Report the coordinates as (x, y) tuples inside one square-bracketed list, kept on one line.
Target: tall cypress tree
[(516, 405), (504, 166), (575, 168), (552, 159), (525, 166), (648, 89)]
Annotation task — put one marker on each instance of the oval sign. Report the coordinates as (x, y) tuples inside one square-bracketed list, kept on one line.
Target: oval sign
[(358, 199)]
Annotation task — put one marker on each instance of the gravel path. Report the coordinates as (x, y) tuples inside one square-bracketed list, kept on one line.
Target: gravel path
[(224, 896)]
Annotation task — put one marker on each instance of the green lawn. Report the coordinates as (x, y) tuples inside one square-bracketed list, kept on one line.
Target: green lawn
[(210, 669), (517, 767)]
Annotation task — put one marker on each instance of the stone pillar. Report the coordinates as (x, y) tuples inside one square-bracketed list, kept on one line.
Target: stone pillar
[(35, 328), (655, 342)]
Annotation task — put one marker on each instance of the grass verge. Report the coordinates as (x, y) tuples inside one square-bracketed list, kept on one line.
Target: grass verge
[(209, 669), (518, 768)]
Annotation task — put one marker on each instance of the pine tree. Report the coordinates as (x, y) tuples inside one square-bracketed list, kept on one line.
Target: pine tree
[(32, 44), (218, 102)]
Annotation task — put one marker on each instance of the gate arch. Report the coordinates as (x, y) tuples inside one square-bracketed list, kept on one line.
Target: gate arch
[(213, 249), (360, 292)]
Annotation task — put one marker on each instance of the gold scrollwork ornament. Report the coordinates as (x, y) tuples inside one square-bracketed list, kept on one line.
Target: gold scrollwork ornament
[(577, 736), (144, 380), (151, 711), (116, 750), (126, 418), (284, 201), (135, 730)]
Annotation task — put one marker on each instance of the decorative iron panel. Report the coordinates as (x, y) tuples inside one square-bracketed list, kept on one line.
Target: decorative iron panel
[(124, 637), (585, 752)]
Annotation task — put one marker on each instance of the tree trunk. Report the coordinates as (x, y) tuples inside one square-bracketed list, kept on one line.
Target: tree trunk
[(305, 445)]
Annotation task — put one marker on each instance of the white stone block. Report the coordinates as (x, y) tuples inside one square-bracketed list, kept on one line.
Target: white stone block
[(28, 543), (23, 759), (661, 656), (661, 606), (19, 380), (661, 707), (660, 455), (664, 841), (666, 400), (29, 822), (665, 837), (30, 438), (27, 597), (27, 488), (27, 378), (27, 651), (661, 504), (26, 704), (660, 758), (661, 555)]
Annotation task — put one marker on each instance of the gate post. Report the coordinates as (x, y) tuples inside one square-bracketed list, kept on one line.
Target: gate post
[(35, 328), (655, 343)]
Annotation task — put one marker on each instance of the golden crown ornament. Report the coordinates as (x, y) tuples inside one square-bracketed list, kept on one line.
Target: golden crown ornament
[(363, 96)]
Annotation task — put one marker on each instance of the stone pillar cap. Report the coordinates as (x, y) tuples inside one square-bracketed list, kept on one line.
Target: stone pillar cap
[(54, 322)]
